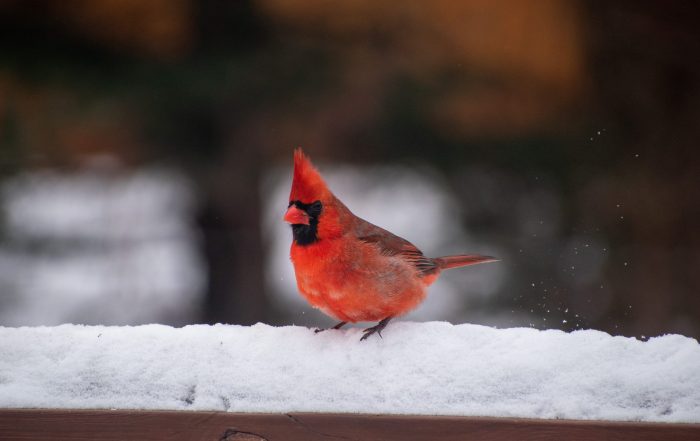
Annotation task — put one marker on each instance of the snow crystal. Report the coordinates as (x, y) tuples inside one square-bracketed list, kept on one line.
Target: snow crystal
[(416, 368)]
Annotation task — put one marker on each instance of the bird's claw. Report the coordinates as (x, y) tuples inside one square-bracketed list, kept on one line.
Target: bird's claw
[(338, 326), (369, 331), (375, 329)]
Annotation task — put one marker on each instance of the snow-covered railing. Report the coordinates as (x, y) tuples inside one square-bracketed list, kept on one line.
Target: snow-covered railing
[(290, 383)]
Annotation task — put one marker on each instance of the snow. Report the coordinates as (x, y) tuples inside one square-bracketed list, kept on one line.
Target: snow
[(416, 368)]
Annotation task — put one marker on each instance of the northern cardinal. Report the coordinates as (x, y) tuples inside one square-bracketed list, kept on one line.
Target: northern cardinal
[(349, 268)]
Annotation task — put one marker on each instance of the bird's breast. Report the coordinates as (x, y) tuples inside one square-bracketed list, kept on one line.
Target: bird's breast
[(353, 281)]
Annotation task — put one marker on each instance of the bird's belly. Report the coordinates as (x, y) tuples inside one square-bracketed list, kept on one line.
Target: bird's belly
[(352, 289)]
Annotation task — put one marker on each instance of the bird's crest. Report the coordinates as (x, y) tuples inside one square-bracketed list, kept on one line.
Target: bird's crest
[(307, 184)]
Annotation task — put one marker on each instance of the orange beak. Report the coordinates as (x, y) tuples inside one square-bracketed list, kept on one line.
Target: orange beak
[(295, 216)]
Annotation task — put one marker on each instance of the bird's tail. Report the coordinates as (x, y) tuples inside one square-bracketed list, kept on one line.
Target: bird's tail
[(447, 262)]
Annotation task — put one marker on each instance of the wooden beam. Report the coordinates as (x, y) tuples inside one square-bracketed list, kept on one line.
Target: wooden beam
[(118, 425)]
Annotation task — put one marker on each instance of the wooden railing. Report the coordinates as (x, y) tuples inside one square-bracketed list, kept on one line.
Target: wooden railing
[(120, 425)]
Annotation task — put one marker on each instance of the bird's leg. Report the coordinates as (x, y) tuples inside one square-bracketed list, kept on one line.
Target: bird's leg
[(338, 326), (378, 328)]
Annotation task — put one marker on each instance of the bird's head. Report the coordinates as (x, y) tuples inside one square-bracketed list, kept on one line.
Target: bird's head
[(313, 211)]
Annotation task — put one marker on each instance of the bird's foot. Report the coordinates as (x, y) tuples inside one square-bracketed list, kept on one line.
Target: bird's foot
[(376, 329), (338, 326)]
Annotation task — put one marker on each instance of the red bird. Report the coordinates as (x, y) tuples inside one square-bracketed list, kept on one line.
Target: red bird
[(349, 268)]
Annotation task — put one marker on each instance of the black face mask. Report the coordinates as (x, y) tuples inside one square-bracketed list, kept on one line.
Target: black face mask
[(307, 234)]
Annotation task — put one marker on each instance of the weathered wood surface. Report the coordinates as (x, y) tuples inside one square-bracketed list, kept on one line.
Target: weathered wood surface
[(107, 425)]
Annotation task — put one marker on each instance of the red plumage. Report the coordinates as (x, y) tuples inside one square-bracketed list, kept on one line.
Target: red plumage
[(307, 183), (349, 268)]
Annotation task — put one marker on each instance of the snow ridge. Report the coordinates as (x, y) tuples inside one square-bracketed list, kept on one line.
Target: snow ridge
[(430, 368)]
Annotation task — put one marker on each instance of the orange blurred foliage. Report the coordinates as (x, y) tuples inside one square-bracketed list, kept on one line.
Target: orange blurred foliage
[(528, 55)]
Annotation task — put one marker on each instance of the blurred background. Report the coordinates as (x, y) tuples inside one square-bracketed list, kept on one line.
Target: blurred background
[(146, 150)]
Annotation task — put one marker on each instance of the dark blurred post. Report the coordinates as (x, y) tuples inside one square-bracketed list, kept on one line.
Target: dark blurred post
[(646, 71), (230, 221), (230, 215)]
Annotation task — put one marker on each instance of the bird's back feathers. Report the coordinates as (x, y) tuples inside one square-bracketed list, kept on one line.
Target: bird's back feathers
[(393, 245)]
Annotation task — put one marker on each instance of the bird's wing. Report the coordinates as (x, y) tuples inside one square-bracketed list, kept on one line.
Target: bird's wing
[(393, 245)]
